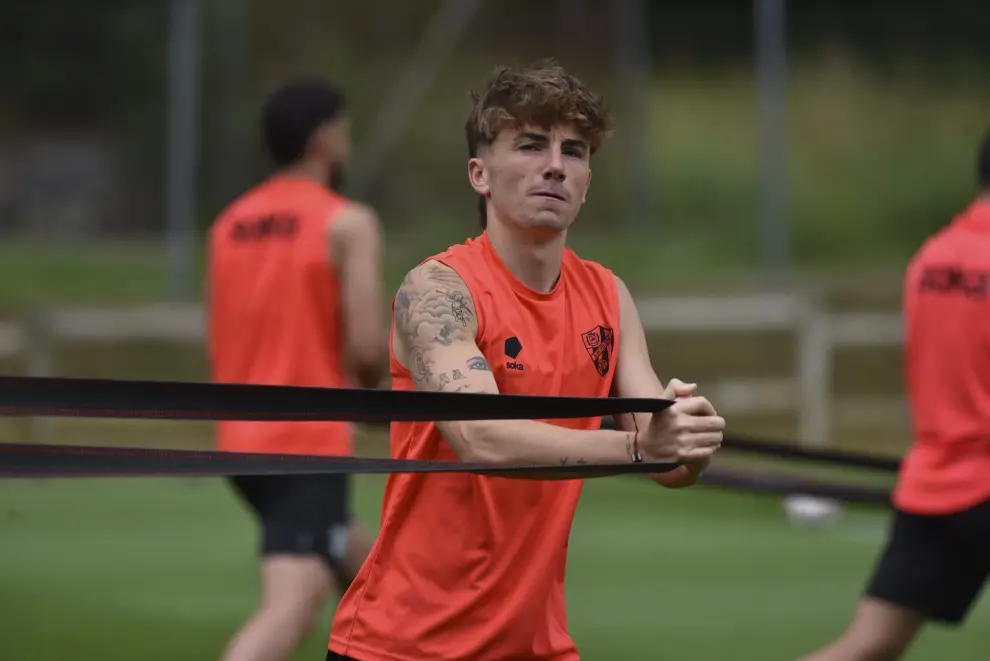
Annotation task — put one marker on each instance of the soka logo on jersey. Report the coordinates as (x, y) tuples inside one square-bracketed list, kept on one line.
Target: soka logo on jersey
[(513, 347)]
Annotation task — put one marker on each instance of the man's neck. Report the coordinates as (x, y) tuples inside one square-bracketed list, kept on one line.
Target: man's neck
[(306, 171), (536, 263)]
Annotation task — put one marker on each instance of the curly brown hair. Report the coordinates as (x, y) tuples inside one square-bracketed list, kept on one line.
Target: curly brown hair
[(540, 94)]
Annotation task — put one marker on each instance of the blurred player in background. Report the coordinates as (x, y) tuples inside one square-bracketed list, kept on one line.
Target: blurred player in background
[(937, 558), (295, 298), (472, 567)]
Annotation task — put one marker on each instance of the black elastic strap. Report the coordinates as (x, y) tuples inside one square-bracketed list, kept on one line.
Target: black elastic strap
[(37, 461), (110, 398)]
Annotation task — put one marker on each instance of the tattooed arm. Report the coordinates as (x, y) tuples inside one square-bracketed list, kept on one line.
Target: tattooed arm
[(434, 335)]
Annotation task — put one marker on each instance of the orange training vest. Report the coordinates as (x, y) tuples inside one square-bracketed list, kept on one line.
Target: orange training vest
[(947, 323), (471, 567), (274, 310)]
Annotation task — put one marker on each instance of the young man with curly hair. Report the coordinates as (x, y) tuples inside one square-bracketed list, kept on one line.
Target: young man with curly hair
[(472, 567)]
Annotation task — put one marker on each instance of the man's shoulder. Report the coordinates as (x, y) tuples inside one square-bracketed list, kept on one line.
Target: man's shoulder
[(955, 236), (449, 264), (273, 192), (947, 259), (431, 273), (576, 259), (466, 248), (345, 217), (589, 270), (944, 244)]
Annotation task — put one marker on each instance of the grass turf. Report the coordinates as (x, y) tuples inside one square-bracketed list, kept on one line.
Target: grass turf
[(165, 569)]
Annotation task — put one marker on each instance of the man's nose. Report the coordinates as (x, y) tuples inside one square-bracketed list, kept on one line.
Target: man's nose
[(555, 167)]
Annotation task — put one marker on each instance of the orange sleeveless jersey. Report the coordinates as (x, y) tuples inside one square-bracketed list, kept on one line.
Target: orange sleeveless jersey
[(273, 309), (947, 323), (469, 567)]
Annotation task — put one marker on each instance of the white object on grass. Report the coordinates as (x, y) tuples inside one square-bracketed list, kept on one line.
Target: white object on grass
[(812, 511)]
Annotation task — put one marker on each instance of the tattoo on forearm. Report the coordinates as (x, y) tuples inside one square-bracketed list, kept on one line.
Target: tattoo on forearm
[(457, 375), (478, 364), (444, 380)]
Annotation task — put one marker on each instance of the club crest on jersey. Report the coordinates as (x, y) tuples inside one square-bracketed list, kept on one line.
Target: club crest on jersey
[(599, 342)]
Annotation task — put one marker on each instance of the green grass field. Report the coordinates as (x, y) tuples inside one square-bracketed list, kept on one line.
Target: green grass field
[(163, 569)]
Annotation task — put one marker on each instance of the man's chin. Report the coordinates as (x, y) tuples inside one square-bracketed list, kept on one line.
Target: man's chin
[(548, 221)]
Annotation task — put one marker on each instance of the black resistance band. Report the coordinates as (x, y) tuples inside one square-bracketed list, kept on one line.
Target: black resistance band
[(108, 398)]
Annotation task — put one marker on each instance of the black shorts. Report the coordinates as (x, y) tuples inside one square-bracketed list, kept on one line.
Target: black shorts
[(300, 514), (935, 565), (333, 656)]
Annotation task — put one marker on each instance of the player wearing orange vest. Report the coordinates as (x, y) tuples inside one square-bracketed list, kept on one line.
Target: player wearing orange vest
[(937, 557), (294, 298), (469, 567)]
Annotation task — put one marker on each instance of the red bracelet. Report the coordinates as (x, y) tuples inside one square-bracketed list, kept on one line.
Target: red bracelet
[(636, 456)]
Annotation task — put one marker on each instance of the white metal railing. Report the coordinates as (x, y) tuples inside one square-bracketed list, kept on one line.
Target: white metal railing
[(808, 391)]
